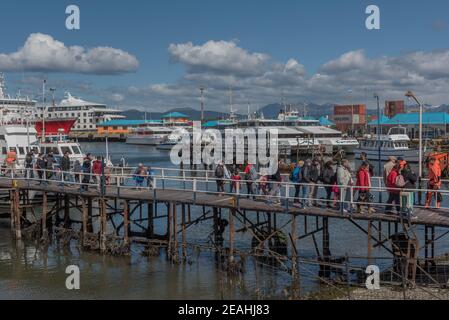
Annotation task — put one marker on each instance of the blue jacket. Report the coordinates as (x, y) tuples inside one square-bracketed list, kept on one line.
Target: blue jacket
[(296, 175)]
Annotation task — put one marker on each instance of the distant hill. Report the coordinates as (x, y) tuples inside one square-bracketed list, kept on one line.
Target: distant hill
[(269, 111), (192, 113)]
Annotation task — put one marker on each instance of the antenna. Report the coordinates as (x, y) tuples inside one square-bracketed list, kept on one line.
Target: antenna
[(202, 88), (2, 85)]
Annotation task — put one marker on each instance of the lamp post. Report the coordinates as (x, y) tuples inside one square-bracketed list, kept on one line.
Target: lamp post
[(410, 94), (376, 96)]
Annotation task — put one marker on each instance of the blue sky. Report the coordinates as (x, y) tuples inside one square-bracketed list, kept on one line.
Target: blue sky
[(312, 33)]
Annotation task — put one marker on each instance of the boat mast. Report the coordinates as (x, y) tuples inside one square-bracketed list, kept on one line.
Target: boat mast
[(43, 110)]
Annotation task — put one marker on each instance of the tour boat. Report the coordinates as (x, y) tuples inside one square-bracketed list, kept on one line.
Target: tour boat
[(149, 135), (395, 143)]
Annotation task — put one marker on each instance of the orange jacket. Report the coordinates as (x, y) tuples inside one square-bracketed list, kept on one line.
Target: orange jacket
[(435, 174), (11, 157)]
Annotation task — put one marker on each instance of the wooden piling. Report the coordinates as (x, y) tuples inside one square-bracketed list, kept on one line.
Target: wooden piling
[(184, 242), (44, 216), (231, 235), (103, 225), (126, 225), (169, 229), (294, 249), (175, 238), (17, 215), (85, 213)]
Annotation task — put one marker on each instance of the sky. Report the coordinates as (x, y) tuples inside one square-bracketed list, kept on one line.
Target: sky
[(154, 55)]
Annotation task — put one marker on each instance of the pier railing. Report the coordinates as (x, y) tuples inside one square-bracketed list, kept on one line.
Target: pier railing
[(286, 193)]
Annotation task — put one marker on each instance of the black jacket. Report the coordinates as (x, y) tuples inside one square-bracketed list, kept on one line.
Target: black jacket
[(65, 164), (410, 178)]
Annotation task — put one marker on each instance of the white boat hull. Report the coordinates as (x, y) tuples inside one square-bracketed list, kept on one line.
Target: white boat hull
[(149, 141), (410, 155)]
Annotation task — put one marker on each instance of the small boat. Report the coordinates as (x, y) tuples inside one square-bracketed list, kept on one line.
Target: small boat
[(151, 136), (169, 141), (395, 143)]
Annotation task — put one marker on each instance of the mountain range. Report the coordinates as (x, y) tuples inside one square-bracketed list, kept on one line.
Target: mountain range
[(269, 111)]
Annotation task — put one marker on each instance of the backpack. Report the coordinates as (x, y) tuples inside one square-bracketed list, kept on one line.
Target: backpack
[(253, 173), (219, 172), (400, 181), (295, 176)]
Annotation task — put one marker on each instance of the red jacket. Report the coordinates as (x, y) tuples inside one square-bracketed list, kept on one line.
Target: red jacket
[(391, 181), (97, 167), (363, 180)]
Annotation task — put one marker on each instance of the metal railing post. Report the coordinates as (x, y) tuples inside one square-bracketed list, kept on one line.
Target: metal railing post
[(194, 191)]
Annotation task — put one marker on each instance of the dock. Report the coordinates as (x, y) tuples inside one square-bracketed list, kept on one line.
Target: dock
[(121, 223)]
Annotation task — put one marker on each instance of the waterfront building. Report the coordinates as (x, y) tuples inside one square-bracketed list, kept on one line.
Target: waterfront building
[(123, 126), (435, 124), (393, 108), (349, 117)]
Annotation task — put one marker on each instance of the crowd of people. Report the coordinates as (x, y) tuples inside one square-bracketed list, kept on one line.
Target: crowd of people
[(345, 189)]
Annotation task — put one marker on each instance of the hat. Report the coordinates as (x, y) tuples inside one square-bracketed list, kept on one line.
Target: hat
[(392, 158)]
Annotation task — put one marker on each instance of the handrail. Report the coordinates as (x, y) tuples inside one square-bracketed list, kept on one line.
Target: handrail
[(278, 190)]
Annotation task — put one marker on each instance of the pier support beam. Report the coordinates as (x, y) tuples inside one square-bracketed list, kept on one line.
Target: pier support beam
[(85, 213), (126, 225), (103, 225), (44, 218), (16, 214)]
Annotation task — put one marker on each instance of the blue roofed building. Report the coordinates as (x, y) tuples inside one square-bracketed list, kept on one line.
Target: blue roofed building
[(324, 121), (435, 124)]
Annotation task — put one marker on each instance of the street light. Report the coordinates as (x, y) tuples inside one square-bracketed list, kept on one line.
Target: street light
[(376, 96), (410, 94)]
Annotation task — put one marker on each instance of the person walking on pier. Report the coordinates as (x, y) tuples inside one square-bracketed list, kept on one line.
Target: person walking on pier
[(295, 177), (77, 171), (219, 176), (388, 166), (305, 180), (363, 186), (235, 184), (344, 181), (150, 175), (434, 183), (11, 160), (139, 176), (364, 158), (395, 181), (41, 166), (329, 179), (250, 177), (314, 177), (97, 171), (65, 168), (86, 172), (407, 194), (50, 160), (29, 164)]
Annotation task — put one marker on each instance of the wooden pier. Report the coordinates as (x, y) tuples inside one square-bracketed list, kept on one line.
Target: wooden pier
[(119, 212)]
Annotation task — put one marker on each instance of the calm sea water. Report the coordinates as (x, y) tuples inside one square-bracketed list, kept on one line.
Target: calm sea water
[(28, 271)]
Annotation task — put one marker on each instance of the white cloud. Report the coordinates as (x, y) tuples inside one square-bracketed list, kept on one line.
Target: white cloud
[(43, 53), (220, 57)]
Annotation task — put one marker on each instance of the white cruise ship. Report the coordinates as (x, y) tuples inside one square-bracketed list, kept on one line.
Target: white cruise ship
[(88, 114), (14, 109)]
